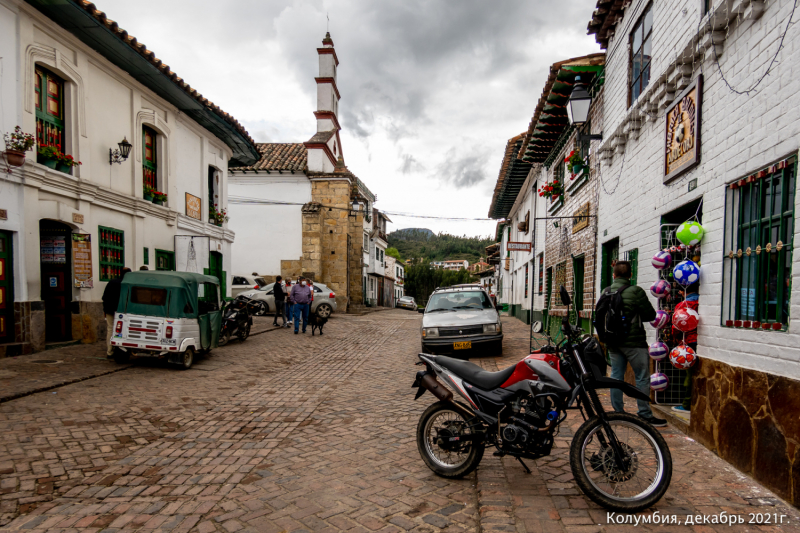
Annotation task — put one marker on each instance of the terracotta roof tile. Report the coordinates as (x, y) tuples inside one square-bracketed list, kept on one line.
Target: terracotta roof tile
[(90, 8), (279, 156), (604, 19)]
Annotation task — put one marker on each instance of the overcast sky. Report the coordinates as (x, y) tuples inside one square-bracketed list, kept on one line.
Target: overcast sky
[(431, 90)]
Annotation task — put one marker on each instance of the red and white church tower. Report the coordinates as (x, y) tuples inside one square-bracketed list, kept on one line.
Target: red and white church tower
[(325, 147)]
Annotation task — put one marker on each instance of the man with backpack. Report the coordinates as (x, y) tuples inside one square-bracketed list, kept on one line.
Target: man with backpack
[(619, 316)]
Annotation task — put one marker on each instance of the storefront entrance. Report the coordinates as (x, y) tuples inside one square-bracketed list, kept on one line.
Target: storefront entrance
[(6, 289), (56, 273)]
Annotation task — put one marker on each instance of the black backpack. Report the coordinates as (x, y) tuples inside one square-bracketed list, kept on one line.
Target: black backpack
[(610, 322)]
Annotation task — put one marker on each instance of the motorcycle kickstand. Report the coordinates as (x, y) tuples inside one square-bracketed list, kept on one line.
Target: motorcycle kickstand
[(528, 470)]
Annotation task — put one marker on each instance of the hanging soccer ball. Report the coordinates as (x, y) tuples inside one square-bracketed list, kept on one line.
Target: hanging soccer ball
[(658, 350), (662, 319), (659, 381), (686, 272), (685, 319), (690, 233), (682, 357), (662, 259), (660, 288)]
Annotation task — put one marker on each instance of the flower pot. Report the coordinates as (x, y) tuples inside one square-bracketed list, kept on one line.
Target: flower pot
[(15, 158), (555, 197), (577, 169), (49, 163), (61, 167), (148, 197), (158, 201)]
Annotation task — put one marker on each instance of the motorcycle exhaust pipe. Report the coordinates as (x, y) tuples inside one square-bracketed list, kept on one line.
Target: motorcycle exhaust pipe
[(432, 384)]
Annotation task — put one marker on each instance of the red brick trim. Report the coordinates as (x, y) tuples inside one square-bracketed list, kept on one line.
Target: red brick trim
[(332, 82), (329, 115), (329, 51), (325, 148)]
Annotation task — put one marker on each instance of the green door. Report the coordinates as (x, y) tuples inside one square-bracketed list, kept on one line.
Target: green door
[(608, 259), (215, 269), (6, 289)]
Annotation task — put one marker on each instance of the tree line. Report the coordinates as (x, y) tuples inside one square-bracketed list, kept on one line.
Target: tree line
[(422, 279), (424, 244)]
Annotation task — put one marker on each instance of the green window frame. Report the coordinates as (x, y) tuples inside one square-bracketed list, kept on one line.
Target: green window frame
[(632, 256), (526, 280), (111, 246), (541, 273), (608, 258), (146, 255), (578, 280), (49, 90), (150, 157), (165, 260), (758, 246)]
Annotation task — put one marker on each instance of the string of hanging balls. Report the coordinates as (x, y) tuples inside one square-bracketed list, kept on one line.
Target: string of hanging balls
[(685, 273)]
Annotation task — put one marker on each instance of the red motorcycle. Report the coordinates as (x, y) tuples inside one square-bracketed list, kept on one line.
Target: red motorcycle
[(618, 459)]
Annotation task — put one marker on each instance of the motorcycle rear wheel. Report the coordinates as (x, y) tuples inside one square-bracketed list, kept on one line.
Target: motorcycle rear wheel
[(445, 458), (647, 477), (224, 337), (243, 333)]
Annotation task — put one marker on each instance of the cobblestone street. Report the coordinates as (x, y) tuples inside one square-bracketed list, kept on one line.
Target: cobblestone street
[(301, 433)]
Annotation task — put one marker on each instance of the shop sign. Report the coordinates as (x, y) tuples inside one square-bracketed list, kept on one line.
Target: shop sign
[(82, 260), (580, 218), (193, 207), (77, 218), (3, 214), (682, 150), (518, 246), (53, 250)]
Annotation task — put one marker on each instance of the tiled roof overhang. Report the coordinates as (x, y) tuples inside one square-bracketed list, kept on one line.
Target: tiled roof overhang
[(513, 173), (278, 157), (604, 20), (550, 117), (93, 28)]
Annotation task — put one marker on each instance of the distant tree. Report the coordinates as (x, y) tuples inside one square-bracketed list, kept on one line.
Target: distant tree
[(392, 252), (422, 279)]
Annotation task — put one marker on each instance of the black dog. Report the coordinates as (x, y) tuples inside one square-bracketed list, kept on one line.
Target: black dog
[(316, 322)]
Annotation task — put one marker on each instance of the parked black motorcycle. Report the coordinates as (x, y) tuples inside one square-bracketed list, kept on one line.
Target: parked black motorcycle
[(618, 459), (237, 319)]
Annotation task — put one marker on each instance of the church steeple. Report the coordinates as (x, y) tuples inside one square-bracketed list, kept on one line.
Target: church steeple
[(324, 148)]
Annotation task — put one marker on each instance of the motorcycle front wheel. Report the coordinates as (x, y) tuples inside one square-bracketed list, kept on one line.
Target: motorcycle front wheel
[(444, 440), (224, 337), (243, 333), (647, 468)]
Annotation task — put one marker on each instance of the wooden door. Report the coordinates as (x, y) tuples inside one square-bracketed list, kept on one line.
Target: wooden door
[(6, 289), (55, 240)]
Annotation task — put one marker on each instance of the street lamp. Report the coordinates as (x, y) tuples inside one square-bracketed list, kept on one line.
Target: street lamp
[(354, 209), (118, 156), (580, 101)]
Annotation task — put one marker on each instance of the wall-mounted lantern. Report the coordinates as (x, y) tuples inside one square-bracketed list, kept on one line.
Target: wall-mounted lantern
[(580, 101), (120, 155), (355, 208)]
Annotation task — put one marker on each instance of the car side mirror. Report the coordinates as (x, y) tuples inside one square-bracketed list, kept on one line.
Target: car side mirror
[(537, 327), (565, 299), (420, 310)]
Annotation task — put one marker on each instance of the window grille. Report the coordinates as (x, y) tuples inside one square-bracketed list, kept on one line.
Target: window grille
[(165, 260), (49, 108), (757, 247), (112, 253), (541, 273), (149, 158)]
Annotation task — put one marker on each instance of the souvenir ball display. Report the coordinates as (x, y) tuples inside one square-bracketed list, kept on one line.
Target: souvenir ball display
[(686, 273), (682, 357), (661, 320), (662, 259), (658, 350), (690, 233), (658, 381), (685, 319), (660, 288)]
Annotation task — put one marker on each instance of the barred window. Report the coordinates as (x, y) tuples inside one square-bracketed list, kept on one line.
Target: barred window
[(759, 229)]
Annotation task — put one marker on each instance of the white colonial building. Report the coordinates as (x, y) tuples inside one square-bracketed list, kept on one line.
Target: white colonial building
[(64, 232), (701, 122)]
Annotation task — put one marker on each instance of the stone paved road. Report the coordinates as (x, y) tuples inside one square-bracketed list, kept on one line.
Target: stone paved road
[(296, 433)]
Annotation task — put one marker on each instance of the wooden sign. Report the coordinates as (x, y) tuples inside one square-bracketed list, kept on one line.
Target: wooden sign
[(82, 260), (3, 214), (518, 246), (580, 218), (193, 207), (682, 147), (77, 218)]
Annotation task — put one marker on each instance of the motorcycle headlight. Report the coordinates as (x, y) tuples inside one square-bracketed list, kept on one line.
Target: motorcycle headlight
[(233, 315), (430, 332)]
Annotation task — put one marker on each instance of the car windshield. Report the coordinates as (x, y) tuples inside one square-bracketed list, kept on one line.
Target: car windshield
[(447, 301), (261, 282)]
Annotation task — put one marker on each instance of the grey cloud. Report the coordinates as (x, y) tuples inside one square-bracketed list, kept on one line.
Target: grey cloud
[(410, 164), (462, 171)]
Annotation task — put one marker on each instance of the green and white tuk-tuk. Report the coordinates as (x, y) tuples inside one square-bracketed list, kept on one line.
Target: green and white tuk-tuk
[(172, 315)]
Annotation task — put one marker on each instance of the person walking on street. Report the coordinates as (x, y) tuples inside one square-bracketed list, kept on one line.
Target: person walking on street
[(633, 348), (111, 296), (280, 297), (289, 301), (301, 294)]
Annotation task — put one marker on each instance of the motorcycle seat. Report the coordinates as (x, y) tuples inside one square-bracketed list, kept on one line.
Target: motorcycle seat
[(473, 374)]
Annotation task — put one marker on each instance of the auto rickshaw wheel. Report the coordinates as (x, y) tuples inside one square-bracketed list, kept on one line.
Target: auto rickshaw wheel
[(187, 358), (121, 357)]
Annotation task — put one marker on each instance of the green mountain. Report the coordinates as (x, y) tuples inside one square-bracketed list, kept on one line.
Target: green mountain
[(422, 243)]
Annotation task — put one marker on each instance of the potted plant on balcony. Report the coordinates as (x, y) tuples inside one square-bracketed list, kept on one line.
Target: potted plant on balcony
[(218, 216), (49, 155), (17, 143), (66, 162), (159, 197), (575, 163), (552, 189), (148, 193)]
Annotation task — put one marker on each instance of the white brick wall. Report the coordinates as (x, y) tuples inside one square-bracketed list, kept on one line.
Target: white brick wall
[(740, 134)]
